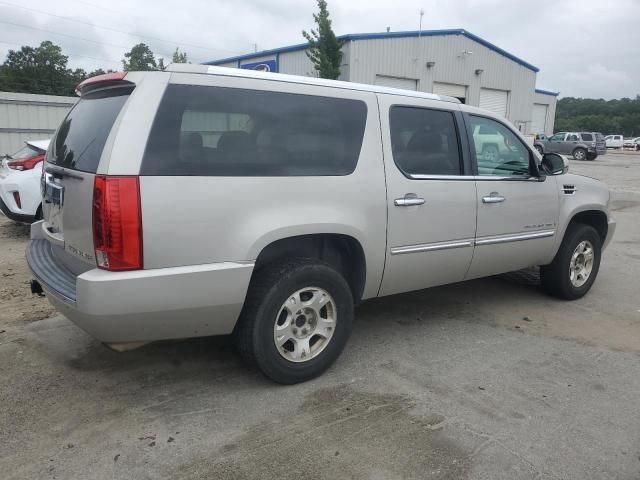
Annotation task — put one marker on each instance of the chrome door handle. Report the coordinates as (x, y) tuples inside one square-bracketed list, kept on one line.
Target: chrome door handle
[(410, 199), (493, 197)]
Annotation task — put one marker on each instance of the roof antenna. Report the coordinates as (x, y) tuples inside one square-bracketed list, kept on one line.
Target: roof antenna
[(421, 15)]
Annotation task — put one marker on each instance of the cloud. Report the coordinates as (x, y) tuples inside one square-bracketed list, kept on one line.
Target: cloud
[(582, 47)]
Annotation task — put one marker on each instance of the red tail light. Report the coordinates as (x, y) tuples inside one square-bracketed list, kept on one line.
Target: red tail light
[(117, 224), (26, 164)]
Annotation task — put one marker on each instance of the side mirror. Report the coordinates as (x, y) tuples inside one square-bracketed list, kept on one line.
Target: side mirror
[(554, 164)]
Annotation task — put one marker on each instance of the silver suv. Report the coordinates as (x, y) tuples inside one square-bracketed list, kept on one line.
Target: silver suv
[(580, 145), (210, 201)]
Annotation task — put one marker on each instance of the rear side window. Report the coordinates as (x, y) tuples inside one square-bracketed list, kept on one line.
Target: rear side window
[(424, 142), (80, 139), (586, 137), (215, 131)]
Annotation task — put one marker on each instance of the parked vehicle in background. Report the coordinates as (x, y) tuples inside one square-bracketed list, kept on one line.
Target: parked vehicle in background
[(580, 145), (208, 200), (633, 143), (20, 174), (614, 141)]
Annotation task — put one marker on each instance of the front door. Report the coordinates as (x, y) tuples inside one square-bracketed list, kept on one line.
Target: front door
[(556, 143), (431, 202), (517, 212)]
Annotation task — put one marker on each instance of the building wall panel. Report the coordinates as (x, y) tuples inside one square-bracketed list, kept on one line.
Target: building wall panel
[(26, 116)]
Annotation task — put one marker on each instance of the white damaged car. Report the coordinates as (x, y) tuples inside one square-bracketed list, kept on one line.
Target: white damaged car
[(20, 173)]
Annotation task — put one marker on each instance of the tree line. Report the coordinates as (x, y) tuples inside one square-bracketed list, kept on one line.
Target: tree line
[(597, 115), (44, 69)]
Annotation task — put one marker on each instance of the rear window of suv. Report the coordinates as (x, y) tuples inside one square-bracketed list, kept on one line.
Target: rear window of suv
[(587, 137), (216, 131), (80, 139)]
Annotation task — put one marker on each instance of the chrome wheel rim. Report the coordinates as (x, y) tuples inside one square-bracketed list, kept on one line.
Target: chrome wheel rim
[(581, 264), (579, 154), (305, 324)]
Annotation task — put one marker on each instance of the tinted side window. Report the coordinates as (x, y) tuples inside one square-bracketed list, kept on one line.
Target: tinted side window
[(500, 153), (214, 131), (424, 142), (586, 137), (80, 139)]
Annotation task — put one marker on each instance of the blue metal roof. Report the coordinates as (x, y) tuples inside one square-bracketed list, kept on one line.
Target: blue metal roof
[(369, 36), (547, 92)]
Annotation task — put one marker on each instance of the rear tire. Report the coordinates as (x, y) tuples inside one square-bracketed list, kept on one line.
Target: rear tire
[(575, 267), (579, 154), (283, 331)]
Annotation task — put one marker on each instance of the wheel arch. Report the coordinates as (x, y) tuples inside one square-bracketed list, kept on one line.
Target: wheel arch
[(589, 215), (343, 251)]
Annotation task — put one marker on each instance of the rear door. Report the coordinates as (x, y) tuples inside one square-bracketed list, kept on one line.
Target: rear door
[(431, 197), (71, 164)]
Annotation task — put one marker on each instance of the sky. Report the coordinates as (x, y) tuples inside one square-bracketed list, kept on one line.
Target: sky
[(584, 48)]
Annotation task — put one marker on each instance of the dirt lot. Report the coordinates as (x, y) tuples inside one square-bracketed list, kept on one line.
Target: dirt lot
[(488, 379)]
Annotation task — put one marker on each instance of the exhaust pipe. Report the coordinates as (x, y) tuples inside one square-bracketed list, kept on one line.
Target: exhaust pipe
[(36, 288)]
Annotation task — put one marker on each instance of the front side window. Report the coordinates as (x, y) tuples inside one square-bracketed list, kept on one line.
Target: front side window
[(558, 137), (215, 131), (424, 141), (498, 150)]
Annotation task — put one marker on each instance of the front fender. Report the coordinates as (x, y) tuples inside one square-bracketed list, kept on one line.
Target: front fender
[(590, 195)]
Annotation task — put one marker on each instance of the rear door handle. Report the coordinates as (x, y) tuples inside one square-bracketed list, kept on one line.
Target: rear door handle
[(410, 199), (493, 197)]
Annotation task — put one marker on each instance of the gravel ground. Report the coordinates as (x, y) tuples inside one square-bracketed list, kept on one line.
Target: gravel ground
[(488, 379)]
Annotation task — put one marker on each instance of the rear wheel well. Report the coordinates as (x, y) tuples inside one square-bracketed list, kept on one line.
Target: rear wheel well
[(342, 252), (595, 218)]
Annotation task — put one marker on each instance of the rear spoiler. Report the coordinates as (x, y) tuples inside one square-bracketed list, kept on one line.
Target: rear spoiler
[(99, 81)]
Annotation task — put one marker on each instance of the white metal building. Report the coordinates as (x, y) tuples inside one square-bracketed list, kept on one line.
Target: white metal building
[(449, 62), (24, 116)]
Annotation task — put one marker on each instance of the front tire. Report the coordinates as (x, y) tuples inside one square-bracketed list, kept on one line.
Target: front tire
[(575, 267), (579, 154), (296, 320)]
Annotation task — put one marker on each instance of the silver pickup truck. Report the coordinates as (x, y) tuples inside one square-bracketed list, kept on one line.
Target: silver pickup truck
[(210, 201)]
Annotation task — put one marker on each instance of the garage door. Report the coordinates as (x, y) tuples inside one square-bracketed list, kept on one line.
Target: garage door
[(494, 100), (539, 118), (450, 89), (397, 82)]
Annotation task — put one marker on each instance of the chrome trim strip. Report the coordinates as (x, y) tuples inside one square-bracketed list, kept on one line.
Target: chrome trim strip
[(515, 238), (430, 247), (472, 178)]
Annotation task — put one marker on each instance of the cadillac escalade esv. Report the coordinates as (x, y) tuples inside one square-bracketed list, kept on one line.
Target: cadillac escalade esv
[(208, 201)]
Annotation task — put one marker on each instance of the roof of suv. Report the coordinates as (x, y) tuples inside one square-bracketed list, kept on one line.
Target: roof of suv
[(281, 77)]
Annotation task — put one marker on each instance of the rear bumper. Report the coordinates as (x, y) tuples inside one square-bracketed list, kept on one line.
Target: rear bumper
[(16, 217), (144, 305)]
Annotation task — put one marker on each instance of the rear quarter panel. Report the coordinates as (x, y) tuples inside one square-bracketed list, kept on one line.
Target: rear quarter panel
[(190, 220)]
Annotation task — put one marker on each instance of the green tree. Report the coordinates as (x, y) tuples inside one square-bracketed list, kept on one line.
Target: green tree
[(40, 70), (140, 58), (619, 116), (179, 57), (324, 48)]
